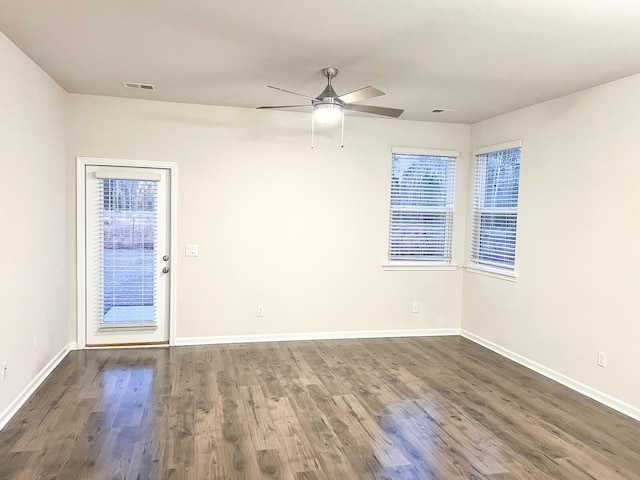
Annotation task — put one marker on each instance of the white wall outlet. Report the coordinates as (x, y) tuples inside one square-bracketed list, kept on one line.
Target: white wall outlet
[(3, 371), (260, 311), (35, 343), (602, 359), (191, 250), (416, 307)]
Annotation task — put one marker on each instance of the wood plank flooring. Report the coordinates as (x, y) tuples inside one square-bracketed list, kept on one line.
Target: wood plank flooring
[(410, 408)]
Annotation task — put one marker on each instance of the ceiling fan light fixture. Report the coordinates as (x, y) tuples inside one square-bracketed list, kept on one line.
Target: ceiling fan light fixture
[(328, 113)]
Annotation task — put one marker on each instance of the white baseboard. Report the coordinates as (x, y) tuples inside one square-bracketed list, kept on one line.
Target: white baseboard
[(21, 399), (287, 337), (569, 382)]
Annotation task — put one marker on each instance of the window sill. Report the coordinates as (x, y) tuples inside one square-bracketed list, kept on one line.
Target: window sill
[(495, 273), (419, 266)]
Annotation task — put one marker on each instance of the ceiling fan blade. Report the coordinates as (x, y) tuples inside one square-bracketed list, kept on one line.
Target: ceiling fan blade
[(361, 94), (294, 93), (387, 112), (282, 106)]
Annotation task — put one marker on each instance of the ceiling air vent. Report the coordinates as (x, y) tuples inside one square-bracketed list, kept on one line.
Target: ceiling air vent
[(444, 110), (139, 86)]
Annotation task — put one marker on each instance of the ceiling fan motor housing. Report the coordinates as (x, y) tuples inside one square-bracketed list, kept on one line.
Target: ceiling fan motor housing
[(329, 95)]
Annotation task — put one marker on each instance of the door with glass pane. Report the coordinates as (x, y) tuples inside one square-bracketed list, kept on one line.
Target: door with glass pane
[(127, 255)]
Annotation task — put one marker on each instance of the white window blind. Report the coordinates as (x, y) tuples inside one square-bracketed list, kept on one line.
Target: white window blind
[(422, 201), (495, 209), (128, 250)]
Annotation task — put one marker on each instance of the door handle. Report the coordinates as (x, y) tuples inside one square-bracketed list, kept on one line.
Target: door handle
[(165, 270), (165, 258)]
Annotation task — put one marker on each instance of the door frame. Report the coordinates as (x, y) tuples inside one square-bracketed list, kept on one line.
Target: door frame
[(81, 273)]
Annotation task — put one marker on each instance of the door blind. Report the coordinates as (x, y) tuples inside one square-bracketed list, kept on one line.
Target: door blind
[(128, 250)]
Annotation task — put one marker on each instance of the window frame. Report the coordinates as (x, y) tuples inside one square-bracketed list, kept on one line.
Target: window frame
[(475, 264), (425, 263)]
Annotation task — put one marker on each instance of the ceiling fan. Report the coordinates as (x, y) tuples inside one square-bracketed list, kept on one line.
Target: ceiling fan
[(329, 107)]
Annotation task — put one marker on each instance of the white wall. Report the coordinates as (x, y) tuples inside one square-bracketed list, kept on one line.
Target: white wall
[(302, 232), (33, 188), (577, 247)]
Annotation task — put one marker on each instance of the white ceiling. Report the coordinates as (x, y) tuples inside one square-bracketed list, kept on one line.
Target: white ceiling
[(481, 57)]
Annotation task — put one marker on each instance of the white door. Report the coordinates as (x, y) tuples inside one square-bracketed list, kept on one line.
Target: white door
[(127, 255)]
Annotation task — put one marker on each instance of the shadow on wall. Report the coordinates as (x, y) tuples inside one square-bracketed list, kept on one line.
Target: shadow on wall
[(244, 124)]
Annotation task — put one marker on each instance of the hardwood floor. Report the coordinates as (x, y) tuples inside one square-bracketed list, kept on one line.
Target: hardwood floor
[(411, 408)]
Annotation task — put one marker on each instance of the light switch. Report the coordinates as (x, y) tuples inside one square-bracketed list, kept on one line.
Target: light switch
[(191, 250)]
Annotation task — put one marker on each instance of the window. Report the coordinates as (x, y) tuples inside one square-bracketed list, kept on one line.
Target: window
[(422, 197), (128, 231), (495, 208)]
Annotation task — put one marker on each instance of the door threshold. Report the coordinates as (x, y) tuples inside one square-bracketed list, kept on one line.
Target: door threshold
[(127, 345)]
